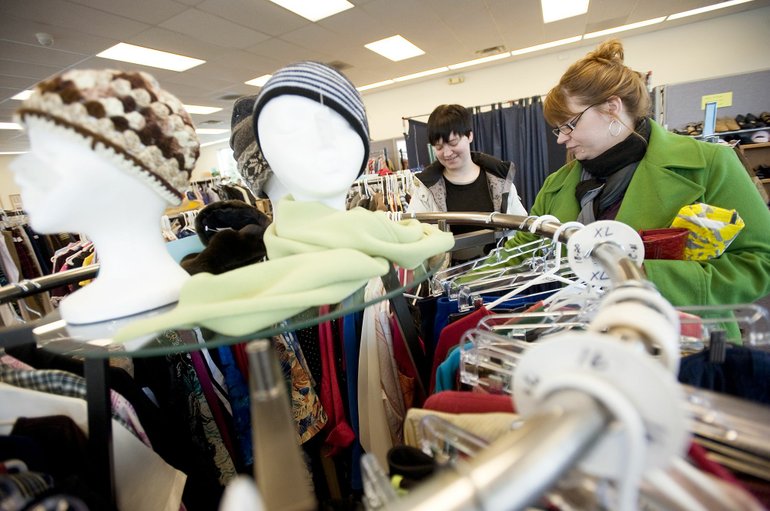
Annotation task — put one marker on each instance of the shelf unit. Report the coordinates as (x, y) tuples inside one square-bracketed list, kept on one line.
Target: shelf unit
[(754, 156)]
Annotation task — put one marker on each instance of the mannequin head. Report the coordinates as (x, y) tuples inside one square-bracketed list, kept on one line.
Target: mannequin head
[(109, 151), (311, 125)]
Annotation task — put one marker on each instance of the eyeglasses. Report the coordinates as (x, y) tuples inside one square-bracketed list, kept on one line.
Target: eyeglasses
[(569, 126)]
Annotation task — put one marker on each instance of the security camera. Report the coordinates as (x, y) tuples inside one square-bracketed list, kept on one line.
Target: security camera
[(44, 38)]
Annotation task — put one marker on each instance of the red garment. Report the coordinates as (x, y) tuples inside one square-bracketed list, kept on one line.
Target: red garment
[(450, 337), (340, 434), (698, 455), (457, 401)]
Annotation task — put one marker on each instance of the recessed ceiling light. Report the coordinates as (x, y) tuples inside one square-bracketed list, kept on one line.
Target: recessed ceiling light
[(395, 48), (12, 152), (259, 81), (314, 10), (21, 96), (148, 57), (421, 74), (544, 46), (203, 110), (708, 8), (554, 10), (9, 126), (375, 85), (622, 28), (482, 60), (211, 131)]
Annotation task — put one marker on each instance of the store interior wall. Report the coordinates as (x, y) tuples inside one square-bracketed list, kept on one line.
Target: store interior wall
[(722, 46)]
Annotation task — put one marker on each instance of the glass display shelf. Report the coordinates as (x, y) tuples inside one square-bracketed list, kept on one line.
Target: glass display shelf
[(95, 340)]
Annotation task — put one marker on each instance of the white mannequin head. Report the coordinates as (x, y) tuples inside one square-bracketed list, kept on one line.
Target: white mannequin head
[(310, 123), (312, 149), (109, 151)]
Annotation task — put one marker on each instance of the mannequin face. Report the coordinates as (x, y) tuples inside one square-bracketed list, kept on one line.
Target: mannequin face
[(67, 187), (312, 149)]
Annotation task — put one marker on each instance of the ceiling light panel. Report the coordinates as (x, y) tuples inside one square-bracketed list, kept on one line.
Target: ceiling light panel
[(375, 85), (201, 110), (482, 60), (211, 131), (623, 28), (21, 96), (708, 8), (125, 52), (314, 10), (259, 81), (545, 46), (421, 74), (9, 126), (395, 48), (554, 10)]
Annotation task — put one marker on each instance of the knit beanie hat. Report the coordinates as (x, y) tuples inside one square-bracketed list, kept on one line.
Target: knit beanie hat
[(125, 117), (321, 83), (248, 157)]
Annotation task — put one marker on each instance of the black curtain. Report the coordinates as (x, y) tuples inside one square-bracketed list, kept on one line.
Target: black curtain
[(518, 133), (417, 144)]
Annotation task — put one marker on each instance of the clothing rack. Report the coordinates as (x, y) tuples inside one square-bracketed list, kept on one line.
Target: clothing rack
[(95, 371), (516, 469)]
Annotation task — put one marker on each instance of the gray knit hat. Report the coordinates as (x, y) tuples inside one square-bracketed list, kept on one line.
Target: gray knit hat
[(248, 157), (127, 118), (321, 83)]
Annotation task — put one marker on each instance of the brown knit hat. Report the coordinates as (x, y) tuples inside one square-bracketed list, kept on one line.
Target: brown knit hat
[(124, 116)]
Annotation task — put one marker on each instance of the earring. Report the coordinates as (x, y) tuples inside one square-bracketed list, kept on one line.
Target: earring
[(619, 126)]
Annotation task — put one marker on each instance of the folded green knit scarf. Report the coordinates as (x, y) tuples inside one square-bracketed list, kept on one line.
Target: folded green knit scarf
[(318, 255)]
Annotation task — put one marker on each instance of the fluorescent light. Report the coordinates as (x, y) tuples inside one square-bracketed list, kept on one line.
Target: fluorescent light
[(314, 10), (9, 126), (554, 10), (203, 110), (211, 131), (624, 27), (375, 85), (545, 46), (21, 96), (421, 74), (215, 142), (395, 48), (259, 81), (482, 60), (700, 10), (148, 57), (12, 152)]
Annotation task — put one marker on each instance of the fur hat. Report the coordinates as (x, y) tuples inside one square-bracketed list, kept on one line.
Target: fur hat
[(124, 116), (248, 157), (232, 232), (321, 83)]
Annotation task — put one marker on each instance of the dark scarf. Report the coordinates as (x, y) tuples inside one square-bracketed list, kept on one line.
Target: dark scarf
[(607, 176)]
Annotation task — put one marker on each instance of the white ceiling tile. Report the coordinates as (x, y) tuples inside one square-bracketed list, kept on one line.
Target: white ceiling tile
[(38, 55), (260, 15), (287, 51), (147, 11), (69, 15), (213, 29), (168, 40)]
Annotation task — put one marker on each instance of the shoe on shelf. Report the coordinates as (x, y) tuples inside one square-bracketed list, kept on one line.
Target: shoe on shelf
[(721, 125), (731, 124), (741, 121), (765, 116), (754, 121)]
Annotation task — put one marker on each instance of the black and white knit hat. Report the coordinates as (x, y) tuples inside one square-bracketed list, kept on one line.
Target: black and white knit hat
[(321, 83), (124, 116)]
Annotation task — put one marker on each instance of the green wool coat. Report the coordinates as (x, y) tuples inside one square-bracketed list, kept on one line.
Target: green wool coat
[(677, 171)]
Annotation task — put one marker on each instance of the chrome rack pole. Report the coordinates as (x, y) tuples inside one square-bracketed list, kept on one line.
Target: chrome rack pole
[(29, 287), (516, 470)]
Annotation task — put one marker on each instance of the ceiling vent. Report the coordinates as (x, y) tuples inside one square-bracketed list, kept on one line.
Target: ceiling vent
[(492, 50), (339, 65)]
